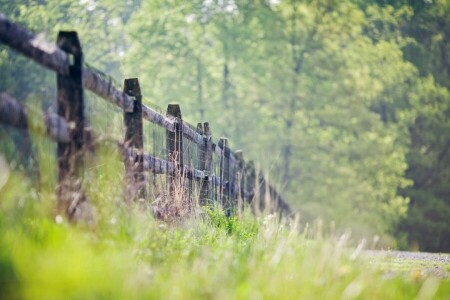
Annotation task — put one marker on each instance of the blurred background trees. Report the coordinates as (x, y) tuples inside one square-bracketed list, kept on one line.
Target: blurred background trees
[(346, 103)]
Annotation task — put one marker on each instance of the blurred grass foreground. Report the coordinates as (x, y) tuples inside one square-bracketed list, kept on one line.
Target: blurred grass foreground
[(130, 255)]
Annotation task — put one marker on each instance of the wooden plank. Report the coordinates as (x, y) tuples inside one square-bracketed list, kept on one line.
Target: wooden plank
[(192, 135), (161, 166), (13, 114), (32, 46), (134, 166), (157, 165), (156, 118), (104, 88)]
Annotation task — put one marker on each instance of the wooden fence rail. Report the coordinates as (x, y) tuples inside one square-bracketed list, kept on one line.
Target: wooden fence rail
[(236, 182)]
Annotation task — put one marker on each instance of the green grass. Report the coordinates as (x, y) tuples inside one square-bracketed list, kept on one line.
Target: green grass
[(129, 255)]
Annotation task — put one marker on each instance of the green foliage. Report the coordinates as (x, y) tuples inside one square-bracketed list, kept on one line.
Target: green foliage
[(422, 28), (345, 102), (243, 229)]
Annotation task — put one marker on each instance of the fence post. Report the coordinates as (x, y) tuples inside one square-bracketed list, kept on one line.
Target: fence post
[(232, 181), (134, 164), (240, 181), (225, 187), (202, 166), (208, 163), (174, 141), (70, 104), (264, 193), (251, 186)]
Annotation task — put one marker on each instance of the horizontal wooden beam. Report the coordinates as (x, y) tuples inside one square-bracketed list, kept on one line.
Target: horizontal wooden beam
[(33, 46), (13, 114), (162, 166), (103, 87), (193, 135), (157, 165), (155, 117)]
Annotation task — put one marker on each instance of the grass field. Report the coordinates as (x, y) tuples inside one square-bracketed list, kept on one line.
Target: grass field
[(129, 255), (213, 257)]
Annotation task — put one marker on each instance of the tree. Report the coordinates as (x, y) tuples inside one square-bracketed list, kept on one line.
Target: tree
[(423, 28)]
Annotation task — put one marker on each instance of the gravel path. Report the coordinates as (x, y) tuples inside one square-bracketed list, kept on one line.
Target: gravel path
[(422, 256), (427, 264)]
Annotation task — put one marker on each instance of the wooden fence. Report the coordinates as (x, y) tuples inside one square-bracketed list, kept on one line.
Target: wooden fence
[(231, 185)]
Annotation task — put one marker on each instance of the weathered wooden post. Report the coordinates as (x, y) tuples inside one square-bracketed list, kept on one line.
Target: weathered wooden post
[(251, 185), (265, 197), (231, 181), (240, 181), (235, 184), (208, 188), (225, 189), (70, 102), (174, 141), (202, 167), (134, 164)]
